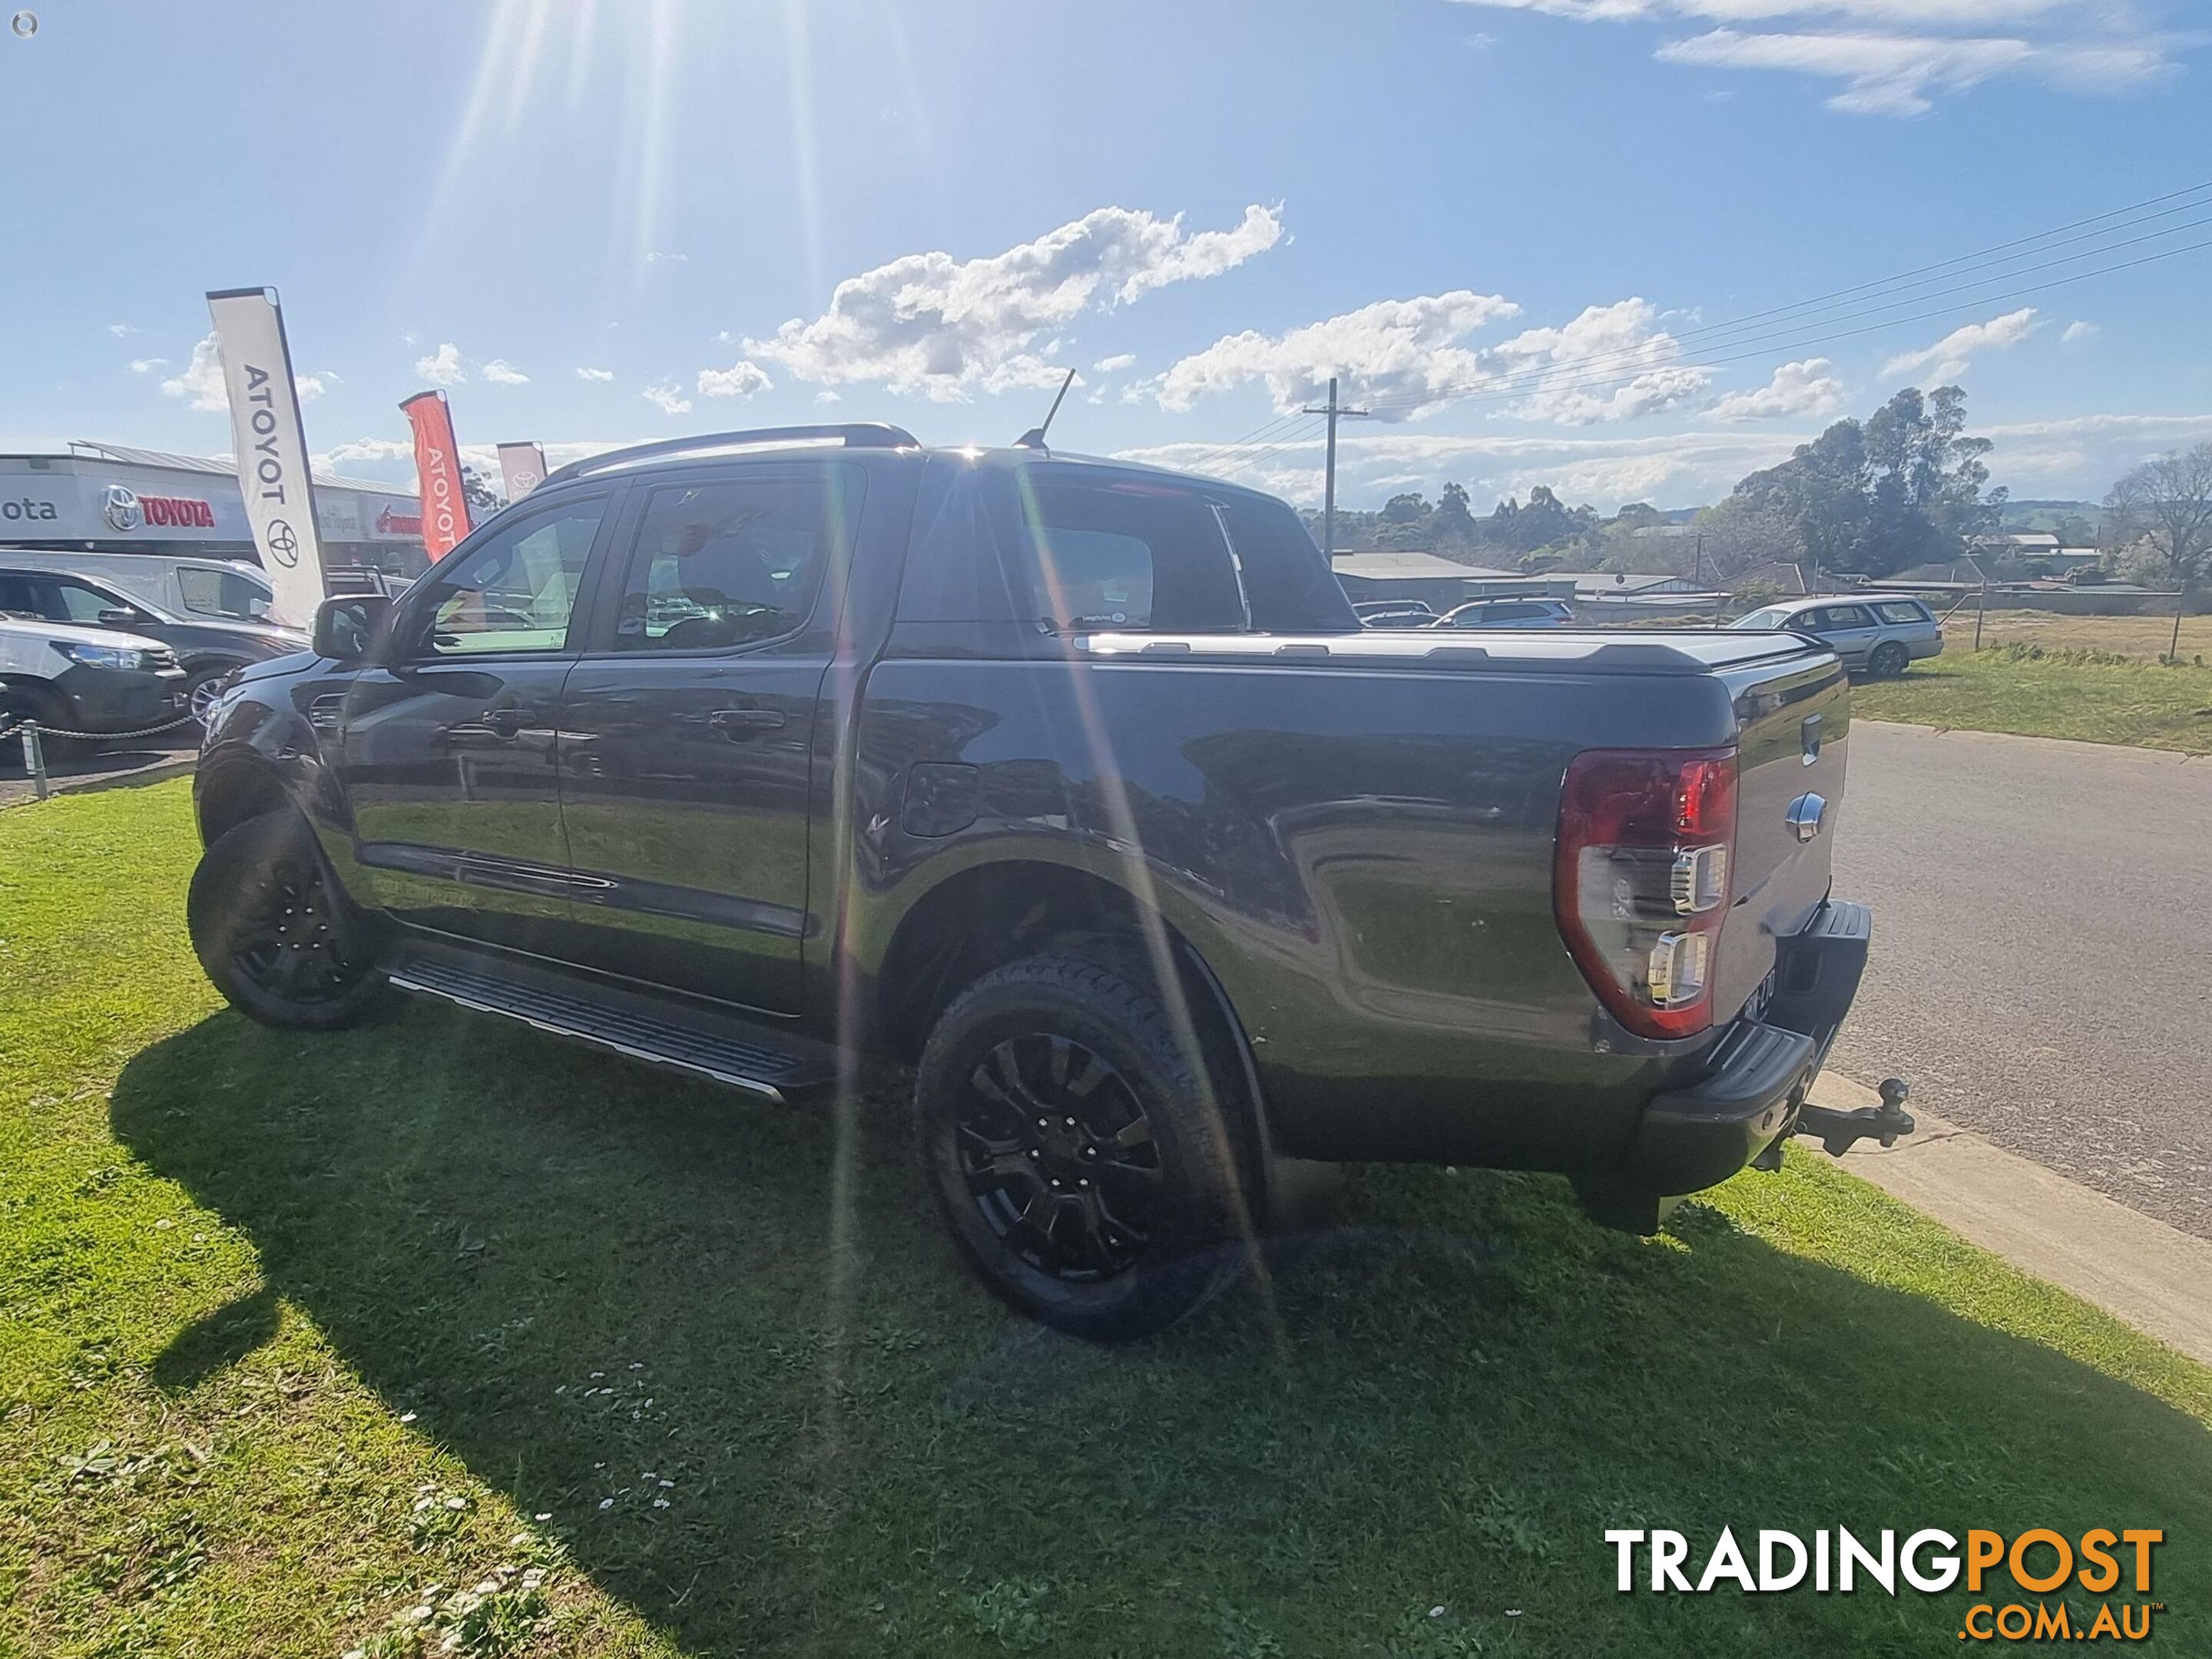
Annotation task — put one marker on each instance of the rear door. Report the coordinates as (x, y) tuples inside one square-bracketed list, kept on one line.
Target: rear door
[(1848, 631), (689, 724)]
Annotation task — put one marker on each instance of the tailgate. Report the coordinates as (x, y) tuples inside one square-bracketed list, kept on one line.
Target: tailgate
[(1792, 721)]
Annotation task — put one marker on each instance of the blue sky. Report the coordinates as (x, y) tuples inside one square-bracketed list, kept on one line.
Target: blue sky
[(1517, 228)]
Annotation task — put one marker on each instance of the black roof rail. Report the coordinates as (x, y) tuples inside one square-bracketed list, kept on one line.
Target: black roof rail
[(856, 434)]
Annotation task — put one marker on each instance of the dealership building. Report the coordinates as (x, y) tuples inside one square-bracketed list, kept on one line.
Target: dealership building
[(99, 498)]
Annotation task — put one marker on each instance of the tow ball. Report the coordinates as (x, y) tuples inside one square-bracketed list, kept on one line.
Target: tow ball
[(1839, 1132)]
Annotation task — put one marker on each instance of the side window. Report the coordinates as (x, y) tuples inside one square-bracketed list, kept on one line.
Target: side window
[(1901, 610), (221, 594), (15, 595), (1849, 616), (518, 591), (1124, 554), (1760, 619), (734, 561), (81, 604)]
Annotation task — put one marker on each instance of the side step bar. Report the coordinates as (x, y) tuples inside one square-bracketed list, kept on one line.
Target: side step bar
[(686, 1037)]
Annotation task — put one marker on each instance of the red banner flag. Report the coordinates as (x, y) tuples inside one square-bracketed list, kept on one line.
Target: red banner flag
[(438, 473)]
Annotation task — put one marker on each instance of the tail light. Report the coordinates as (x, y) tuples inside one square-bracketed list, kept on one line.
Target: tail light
[(1640, 880)]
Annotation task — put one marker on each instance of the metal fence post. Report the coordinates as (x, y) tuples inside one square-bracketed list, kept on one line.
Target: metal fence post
[(34, 760)]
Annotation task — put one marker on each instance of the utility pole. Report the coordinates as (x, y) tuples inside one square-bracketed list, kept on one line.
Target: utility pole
[(1335, 413)]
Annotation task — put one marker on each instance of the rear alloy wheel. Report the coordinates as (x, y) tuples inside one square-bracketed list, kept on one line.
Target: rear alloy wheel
[(1888, 661), (274, 935), (1083, 1163)]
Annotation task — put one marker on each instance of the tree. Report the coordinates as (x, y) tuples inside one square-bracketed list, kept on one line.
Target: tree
[(1904, 487), (2164, 507), (476, 490), (1452, 521), (1735, 538)]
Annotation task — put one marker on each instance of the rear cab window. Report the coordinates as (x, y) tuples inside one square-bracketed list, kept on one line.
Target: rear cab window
[(1132, 553)]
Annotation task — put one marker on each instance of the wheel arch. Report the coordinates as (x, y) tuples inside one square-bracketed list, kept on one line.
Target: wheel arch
[(989, 913), (230, 790)]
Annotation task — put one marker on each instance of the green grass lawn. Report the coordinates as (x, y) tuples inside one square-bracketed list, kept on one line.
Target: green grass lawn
[(2055, 695), (300, 1334)]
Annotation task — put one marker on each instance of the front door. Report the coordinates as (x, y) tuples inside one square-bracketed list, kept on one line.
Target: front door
[(450, 755), (689, 725)]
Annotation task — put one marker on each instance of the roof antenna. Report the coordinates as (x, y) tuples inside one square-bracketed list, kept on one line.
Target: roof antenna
[(1034, 438)]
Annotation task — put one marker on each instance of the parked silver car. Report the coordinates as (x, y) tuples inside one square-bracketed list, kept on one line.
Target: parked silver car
[(1880, 636), (1508, 613)]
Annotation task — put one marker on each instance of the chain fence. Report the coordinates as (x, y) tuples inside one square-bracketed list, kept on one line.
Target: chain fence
[(29, 732)]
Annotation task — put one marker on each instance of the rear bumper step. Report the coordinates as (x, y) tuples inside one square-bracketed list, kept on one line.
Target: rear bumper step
[(702, 1041), (1752, 1095)]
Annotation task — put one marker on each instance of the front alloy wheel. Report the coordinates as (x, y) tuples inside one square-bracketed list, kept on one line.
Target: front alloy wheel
[(274, 934)]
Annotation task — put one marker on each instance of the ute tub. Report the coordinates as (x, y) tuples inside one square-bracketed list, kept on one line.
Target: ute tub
[(1758, 1073)]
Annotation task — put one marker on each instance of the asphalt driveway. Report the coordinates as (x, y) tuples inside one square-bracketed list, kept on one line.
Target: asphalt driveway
[(2042, 966)]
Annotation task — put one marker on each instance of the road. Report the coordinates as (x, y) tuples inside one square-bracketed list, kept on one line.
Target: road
[(2042, 968)]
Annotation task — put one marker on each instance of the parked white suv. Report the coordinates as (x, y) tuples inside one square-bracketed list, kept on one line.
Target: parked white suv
[(91, 680)]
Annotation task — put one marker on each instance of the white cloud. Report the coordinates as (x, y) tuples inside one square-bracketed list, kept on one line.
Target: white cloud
[(667, 398), (826, 396), (1402, 352), (1677, 469), (1810, 387), (442, 366), (1575, 367), (655, 257), (928, 322), (595, 374), (500, 371), (1116, 363), (201, 380), (1947, 360), (1895, 57), (120, 330), (2077, 331), (741, 379), (1402, 359), (147, 365)]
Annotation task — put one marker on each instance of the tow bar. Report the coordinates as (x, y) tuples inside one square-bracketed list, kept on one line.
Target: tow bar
[(1839, 1132)]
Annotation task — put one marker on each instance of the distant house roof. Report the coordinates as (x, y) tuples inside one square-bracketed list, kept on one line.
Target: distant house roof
[(1404, 565), (1598, 584), (2024, 540)]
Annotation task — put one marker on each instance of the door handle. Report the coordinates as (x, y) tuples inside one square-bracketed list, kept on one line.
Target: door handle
[(502, 722), (738, 724)]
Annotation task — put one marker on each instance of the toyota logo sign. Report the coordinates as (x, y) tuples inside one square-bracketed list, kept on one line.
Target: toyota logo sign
[(121, 510), (284, 542)]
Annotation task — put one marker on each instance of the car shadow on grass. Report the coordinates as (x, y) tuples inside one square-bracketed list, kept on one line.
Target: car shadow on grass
[(587, 1279)]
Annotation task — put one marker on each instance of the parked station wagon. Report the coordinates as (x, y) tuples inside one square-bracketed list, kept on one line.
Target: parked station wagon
[(1877, 636)]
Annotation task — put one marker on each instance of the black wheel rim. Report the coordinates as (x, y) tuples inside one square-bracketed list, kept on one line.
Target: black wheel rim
[(289, 940), (1058, 1156)]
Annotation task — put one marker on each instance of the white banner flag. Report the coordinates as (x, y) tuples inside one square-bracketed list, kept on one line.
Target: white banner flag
[(271, 446), (522, 466)]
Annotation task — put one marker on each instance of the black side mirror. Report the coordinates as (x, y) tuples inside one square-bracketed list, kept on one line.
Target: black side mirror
[(120, 616), (351, 627)]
